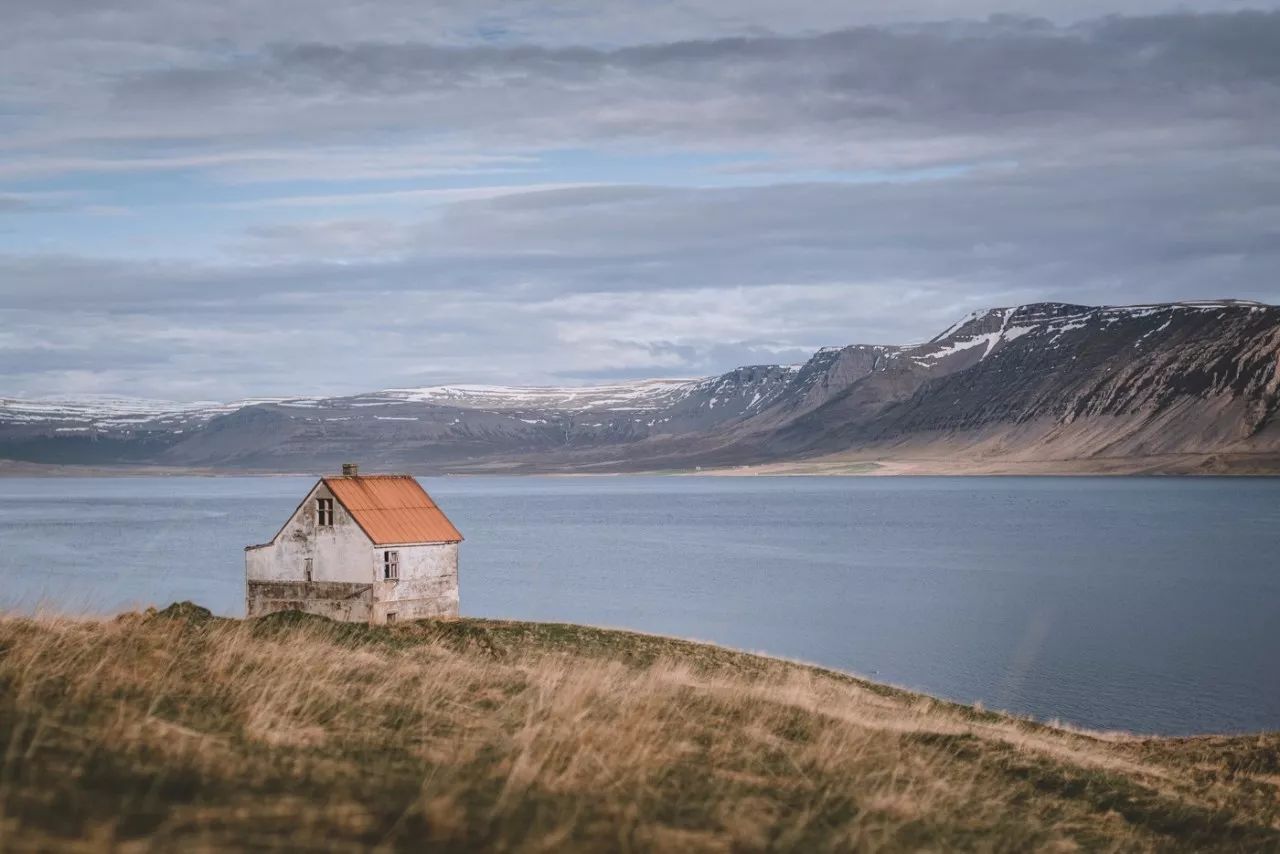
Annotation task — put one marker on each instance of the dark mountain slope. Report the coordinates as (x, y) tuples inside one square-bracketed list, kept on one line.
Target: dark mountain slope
[(1081, 381)]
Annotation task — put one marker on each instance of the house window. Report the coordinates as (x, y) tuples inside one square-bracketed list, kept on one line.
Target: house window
[(324, 512), (391, 616), (391, 566), (307, 568)]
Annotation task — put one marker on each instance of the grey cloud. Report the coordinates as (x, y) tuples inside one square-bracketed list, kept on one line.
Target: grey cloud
[(1023, 81), (869, 97), (1172, 226), (247, 23), (1004, 67), (14, 204), (1102, 160), (23, 203)]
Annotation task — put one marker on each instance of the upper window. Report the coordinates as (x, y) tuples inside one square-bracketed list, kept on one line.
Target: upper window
[(324, 512), (391, 566)]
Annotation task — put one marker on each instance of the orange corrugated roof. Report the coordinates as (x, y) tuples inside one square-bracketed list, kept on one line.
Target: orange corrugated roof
[(393, 508)]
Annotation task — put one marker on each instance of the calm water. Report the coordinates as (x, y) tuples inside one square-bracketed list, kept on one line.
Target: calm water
[(1144, 604)]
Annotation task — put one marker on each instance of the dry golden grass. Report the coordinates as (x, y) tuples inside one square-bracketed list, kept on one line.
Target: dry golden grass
[(177, 731)]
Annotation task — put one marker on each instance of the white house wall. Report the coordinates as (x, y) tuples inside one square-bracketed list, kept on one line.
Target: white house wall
[(428, 585), (339, 552)]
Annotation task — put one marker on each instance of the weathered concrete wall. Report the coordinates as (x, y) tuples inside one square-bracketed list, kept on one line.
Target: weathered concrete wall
[(428, 585), (334, 599), (339, 552)]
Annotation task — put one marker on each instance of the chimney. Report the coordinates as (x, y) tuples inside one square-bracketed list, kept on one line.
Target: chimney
[(350, 470)]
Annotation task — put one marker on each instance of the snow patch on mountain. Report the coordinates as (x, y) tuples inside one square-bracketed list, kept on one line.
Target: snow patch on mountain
[(96, 411), (638, 395)]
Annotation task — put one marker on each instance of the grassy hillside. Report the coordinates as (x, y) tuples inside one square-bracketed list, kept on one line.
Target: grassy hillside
[(177, 731)]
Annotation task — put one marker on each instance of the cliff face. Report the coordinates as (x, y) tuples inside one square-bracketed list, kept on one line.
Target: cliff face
[(1074, 380), (1044, 381)]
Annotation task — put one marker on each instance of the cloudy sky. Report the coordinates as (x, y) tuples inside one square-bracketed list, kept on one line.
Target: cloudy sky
[(206, 200)]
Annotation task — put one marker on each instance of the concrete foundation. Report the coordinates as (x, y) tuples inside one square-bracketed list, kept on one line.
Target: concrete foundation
[(334, 599)]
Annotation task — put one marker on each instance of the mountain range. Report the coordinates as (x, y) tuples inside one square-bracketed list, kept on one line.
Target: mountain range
[(1192, 386)]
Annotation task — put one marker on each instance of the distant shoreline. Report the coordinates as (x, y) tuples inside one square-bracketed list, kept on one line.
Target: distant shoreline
[(1168, 465)]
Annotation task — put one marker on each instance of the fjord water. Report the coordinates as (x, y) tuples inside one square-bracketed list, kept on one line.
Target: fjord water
[(1146, 604)]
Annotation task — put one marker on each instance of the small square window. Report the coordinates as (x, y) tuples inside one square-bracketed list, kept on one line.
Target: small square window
[(391, 566), (324, 512), (391, 616)]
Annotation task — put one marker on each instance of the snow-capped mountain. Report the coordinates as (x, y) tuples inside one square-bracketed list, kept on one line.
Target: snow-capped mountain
[(1040, 379), (108, 413)]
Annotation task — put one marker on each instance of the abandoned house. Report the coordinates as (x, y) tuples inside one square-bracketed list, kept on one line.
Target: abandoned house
[(363, 548)]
